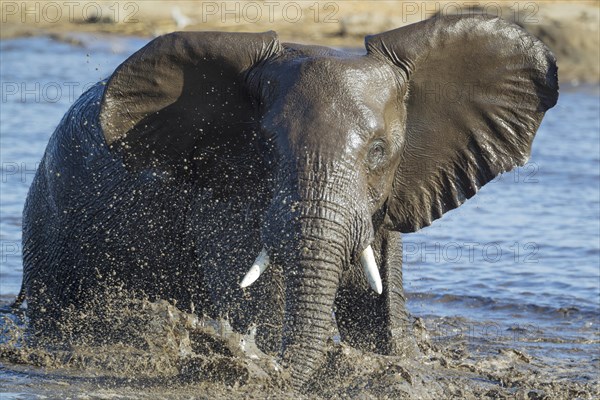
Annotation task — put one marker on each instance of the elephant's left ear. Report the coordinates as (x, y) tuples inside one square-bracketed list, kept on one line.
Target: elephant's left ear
[(187, 97), (478, 88)]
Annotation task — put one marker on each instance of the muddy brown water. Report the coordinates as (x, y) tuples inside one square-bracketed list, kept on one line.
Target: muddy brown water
[(174, 355)]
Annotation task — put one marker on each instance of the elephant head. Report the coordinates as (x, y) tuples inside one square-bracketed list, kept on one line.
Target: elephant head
[(340, 146)]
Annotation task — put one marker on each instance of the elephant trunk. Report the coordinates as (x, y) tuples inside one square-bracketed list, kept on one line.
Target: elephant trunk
[(311, 286), (315, 230)]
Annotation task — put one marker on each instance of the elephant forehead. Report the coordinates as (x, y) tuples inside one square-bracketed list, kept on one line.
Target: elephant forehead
[(347, 94), (329, 105), (348, 81)]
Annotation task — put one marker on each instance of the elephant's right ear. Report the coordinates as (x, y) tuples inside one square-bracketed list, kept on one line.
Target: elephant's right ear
[(184, 97), (478, 88)]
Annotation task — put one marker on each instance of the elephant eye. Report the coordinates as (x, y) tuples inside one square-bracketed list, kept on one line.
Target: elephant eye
[(376, 154)]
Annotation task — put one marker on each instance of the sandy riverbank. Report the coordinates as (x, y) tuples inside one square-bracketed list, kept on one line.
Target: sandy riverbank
[(571, 29)]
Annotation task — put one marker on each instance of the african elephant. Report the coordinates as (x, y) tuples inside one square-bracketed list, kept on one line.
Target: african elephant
[(205, 149)]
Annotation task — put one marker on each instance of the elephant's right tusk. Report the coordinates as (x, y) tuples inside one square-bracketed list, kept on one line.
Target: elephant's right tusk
[(367, 259), (259, 266)]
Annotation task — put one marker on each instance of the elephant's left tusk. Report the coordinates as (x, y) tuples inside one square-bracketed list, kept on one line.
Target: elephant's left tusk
[(259, 266), (367, 259)]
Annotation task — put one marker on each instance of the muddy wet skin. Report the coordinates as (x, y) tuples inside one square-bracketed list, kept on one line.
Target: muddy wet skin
[(174, 355)]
